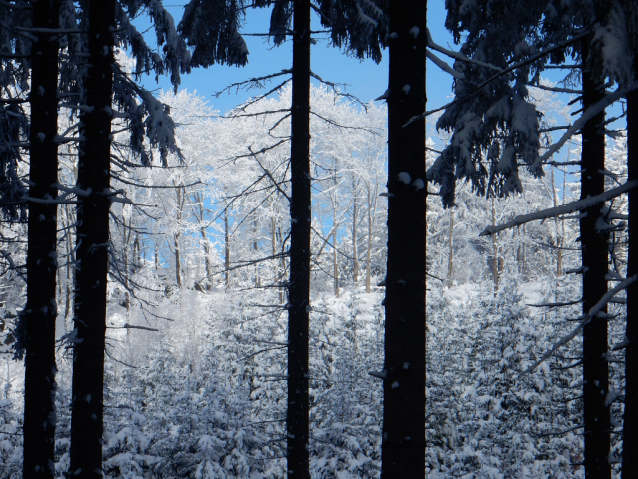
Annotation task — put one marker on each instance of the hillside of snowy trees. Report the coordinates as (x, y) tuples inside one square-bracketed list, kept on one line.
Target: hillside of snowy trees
[(309, 285)]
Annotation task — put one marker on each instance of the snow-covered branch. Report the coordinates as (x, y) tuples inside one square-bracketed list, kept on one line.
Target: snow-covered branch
[(562, 210), (457, 55), (511, 68), (442, 65), (591, 112)]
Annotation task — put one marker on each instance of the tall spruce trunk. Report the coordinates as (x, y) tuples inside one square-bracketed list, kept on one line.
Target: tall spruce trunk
[(630, 421), (41, 310), (595, 262), (299, 285), (92, 247), (403, 447)]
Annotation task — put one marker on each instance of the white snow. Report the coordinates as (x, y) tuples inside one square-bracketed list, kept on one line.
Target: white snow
[(404, 177), (418, 184)]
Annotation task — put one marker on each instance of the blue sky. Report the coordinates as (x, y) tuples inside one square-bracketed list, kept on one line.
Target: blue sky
[(365, 79)]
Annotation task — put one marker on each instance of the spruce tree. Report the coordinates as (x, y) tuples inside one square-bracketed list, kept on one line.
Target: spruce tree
[(594, 260), (297, 412), (94, 164), (478, 152), (630, 421), (403, 446), (104, 87), (41, 310)]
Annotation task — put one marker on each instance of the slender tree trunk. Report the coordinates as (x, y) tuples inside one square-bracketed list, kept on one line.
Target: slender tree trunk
[(282, 265), (273, 241), (127, 297), (256, 250), (494, 251), (178, 261), (70, 270), (335, 263), (355, 251), (369, 252), (127, 267), (450, 256), (559, 242), (94, 165), (208, 265), (335, 266), (41, 310), (226, 249), (199, 214), (297, 417), (595, 263), (630, 423), (137, 253), (523, 253), (403, 447), (180, 201)]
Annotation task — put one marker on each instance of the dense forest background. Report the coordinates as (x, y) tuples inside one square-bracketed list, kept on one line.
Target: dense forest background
[(192, 293), (195, 363)]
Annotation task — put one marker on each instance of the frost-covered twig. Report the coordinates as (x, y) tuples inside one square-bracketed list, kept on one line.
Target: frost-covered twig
[(261, 97), (252, 82), (268, 174), (560, 433), (338, 125), (338, 92), (551, 305)]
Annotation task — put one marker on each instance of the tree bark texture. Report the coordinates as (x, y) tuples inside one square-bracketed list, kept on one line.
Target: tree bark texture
[(403, 446), (595, 263), (630, 421), (299, 284), (92, 247), (41, 310)]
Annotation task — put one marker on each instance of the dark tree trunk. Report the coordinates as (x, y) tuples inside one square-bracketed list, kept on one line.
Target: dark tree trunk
[(403, 448), (92, 247), (630, 422), (299, 284), (41, 311), (595, 263)]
